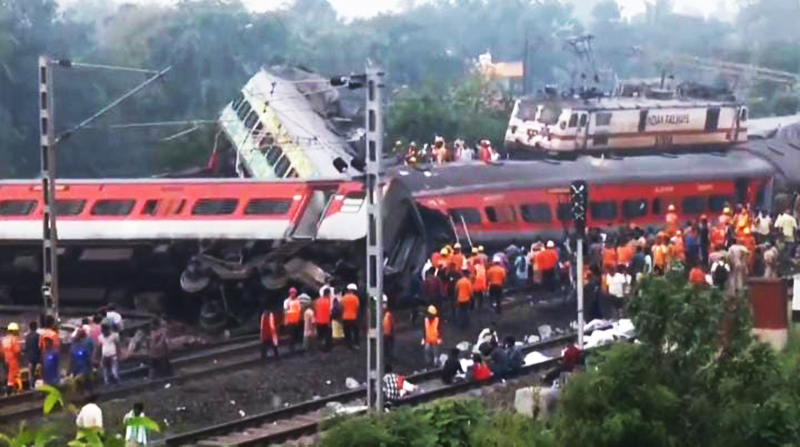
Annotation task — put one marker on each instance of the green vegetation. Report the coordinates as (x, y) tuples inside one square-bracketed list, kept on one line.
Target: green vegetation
[(697, 377), (428, 50)]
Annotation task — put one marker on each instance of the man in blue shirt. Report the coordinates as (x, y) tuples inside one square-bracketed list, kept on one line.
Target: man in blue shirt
[(81, 356)]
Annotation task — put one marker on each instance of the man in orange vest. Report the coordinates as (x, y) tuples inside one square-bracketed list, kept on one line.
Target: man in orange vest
[(496, 277), (293, 311), (430, 338), (350, 305), (547, 261), (11, 350), (479, 285), (671, 221), (388, 329), (50, 332), (457, 258), (269, 334), (322, 308), (463, 299)]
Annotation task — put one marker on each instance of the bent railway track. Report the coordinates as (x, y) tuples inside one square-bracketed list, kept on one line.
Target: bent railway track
[(304, 419)]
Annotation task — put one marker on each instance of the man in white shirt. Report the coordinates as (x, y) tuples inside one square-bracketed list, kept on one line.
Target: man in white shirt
[(618, 283), (788, 225), (90, 416), (763, 226)]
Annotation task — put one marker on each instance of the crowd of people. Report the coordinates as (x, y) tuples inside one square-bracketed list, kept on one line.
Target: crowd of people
[(441, 152)]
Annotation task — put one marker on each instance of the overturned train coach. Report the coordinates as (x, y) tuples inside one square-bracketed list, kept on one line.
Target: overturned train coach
[(515, 201), (220, 247)]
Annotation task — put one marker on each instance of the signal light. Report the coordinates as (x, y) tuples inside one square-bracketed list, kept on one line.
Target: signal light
[(578, 200)]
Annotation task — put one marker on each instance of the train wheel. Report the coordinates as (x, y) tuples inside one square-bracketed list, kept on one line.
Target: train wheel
[(213, 318), (193, 280)]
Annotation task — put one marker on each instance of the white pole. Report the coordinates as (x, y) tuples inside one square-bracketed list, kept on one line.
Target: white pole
[(579, 285)]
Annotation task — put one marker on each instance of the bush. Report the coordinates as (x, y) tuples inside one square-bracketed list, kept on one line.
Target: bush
[(507, 429)]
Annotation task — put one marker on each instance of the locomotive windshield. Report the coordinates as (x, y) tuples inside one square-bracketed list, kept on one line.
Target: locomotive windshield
[(545, 113)]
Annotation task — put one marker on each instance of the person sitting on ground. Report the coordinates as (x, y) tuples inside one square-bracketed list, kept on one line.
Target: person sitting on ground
[(487, 335), (479, 369), (395, 386), (452, 367), (498, 360), (516, 359)]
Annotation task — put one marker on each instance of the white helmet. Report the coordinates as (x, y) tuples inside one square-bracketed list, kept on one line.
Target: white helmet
[(352, 287)]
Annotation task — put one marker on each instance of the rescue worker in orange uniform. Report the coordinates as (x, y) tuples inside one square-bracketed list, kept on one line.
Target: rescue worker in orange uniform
[(625, 253), (293, 311), (547, 262), (11, 351), (482, 256), (322, 309), (486, 152), (269, 334), (463, 300), (388, 329), (50, 332), (350, 305), (678, 253), (742, 222), (430, 338), (660, 254), (725, 217), (671, 221), (496, 277), (457, 258), (479, 284), (609, 257)]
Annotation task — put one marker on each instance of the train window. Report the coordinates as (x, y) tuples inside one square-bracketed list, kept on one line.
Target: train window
[(238, 101), (606, 210), (564, 212), (573, 120), (717, 203), (274, 153), (282, 167), (602, 119), (206, 207), (17, 207), (537, 213), (632, 209), (743, 115), (584, 119), (501, 214), (267, 206), (69, 207), (150, 207), (471, 215), (112, 207), (244, 110), (292, 174), (695, 204), (251, 120)]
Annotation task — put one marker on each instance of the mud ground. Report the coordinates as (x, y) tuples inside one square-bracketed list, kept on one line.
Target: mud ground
[(291, 380)]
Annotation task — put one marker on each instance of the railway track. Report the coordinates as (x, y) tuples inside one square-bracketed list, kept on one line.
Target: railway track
[(223, 356), (304, 419)]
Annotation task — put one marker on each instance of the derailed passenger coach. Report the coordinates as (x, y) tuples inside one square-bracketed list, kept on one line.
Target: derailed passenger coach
[(220, 244)]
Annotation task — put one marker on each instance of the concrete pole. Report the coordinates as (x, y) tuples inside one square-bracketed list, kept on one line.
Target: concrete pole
[(375, 257), (579, 285), (48, 175)]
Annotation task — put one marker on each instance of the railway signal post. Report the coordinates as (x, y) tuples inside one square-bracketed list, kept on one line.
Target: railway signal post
[(374, 190), (579, 198)]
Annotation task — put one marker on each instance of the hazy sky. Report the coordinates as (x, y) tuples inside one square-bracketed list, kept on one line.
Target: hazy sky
[(368, 8)]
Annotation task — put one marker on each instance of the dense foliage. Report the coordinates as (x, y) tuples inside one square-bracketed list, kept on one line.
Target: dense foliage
[(429, 51), (696, 377)]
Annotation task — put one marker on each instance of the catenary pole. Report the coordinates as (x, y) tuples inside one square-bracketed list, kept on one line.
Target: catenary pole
[(48, 174), (374, 149)]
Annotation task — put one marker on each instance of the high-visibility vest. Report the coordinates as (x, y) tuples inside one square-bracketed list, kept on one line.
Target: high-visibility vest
[(464, 290), (350, 304), (293, 313), (268, 329), (51, 334), (609, 257), (480, 278), (323, 310), (388, 324), (672, 223), (11, 348), (432, 331), (457, 260)]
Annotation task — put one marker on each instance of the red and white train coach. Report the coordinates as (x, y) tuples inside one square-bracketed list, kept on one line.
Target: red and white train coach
[(125, 237), (515, 201)]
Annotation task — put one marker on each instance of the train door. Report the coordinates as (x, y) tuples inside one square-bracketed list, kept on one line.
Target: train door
[(316, 207), (583, 130), (742, 189), (712, 119), (643, 120)]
